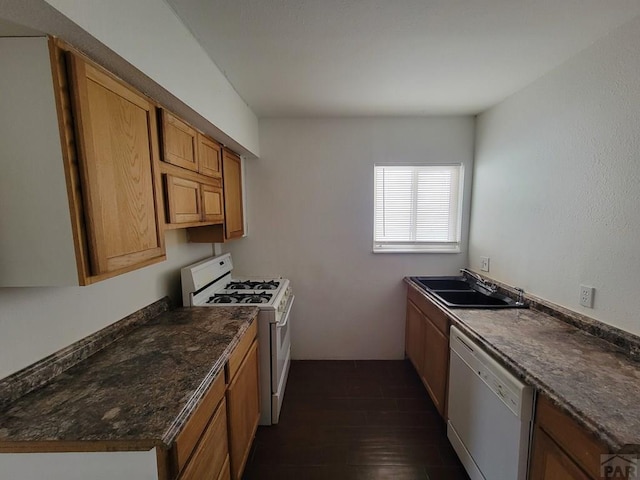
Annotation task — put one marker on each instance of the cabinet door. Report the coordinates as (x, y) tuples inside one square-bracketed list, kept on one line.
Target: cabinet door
[(435, 366), (212, 204), (550, 462), (117, 137), (243, 401), (225, 473), (233, 215), (179, 142), (210, 157), (208, 460), (183, 200), (414, 336)]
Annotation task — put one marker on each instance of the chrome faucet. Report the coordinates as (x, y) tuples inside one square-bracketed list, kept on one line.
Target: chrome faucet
[(490, 287)]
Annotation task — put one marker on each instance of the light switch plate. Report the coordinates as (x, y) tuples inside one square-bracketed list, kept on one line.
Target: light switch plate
[(484, 264), (586, 296)]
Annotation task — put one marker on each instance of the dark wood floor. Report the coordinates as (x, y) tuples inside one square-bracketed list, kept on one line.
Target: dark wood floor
[(364, 420)]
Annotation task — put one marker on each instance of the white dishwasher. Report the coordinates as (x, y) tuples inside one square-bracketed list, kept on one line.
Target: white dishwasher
[(490, 413)]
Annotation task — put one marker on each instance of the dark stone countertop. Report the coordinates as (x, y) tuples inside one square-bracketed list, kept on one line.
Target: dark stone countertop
[(138, 391), (592, 380)]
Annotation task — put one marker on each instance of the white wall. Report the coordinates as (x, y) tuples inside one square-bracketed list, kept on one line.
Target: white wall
[(35, 322), (556, 196), (310, 208)]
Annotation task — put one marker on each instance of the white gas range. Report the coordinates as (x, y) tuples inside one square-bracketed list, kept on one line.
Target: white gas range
[(209, 284)]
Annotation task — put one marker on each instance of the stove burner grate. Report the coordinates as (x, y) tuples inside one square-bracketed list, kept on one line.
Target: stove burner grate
[(220, 298), (261, 298), (248, 298), (253, 285)]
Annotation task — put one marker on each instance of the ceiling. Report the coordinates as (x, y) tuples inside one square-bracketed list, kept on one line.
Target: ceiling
[(381, 57)]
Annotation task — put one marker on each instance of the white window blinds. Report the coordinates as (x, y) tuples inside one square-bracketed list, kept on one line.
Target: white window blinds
[(417, 208)]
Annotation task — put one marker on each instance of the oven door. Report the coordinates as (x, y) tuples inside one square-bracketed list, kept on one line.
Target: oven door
[(280, 360)]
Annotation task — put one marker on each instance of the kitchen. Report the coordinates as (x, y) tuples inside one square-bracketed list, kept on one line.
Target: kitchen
[(554, 152)]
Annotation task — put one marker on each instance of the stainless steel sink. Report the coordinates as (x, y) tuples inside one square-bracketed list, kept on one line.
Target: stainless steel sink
[(461, 292), (443, 283), (474, 299)]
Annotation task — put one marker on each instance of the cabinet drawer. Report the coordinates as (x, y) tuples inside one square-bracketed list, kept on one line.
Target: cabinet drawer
[(192, 432), (578, 443), (437, 317), (241, 350), (179, 142), (183, 200), (213, 450)]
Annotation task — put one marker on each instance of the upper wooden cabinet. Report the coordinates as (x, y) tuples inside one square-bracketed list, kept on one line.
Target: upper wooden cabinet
[(233, 226), (212, 203), (185, 147), (184, 200), (210, 157), (232, 178), (117, 141), (179, 142), (192, 173), (77, 149)]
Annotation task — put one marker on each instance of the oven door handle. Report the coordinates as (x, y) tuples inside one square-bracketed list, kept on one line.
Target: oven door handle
[(287, 311)]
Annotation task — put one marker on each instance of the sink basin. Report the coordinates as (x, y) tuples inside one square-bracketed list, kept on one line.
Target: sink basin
[(457, 292), (443, 283), (474, 299)]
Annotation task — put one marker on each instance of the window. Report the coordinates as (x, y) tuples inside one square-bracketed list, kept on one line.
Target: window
[(417, 208)]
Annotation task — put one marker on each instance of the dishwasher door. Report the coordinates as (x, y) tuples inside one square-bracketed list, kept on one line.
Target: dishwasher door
[(490, 413)]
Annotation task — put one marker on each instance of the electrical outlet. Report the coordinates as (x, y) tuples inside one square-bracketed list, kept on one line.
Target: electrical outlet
[(484, 264), (586, 296)]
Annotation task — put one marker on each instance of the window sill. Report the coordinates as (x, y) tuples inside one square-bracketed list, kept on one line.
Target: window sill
[(415, 250)]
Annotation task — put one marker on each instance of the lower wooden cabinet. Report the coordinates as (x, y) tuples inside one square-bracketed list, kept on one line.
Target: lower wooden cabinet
[(435, 373), (562, 449), (414, 336), (225, 473), (216, 441), (243, 400), (212, 453), (213, 444), (550, 462), (427, 346)]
